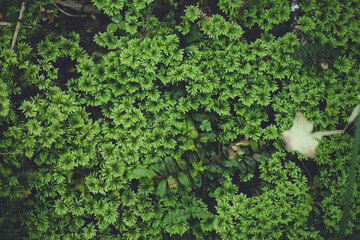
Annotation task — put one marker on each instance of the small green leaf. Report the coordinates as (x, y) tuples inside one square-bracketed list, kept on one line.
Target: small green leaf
[(192, 48), (190, 39), (184, 179), (201, 154), (317, 211), (161, 188), (193, 134), (203, 139), (196, 178), (188, 145), (117, 19), (69, 175), (170, 16), (179, 93), (190, 125), (112, 27), (205, 126), (144, 172), (192, 158), (172, 182), (215, 169), (211, 136), (231, 164)]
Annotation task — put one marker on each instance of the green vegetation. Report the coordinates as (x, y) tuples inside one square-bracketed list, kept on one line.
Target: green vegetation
[(170, 126)]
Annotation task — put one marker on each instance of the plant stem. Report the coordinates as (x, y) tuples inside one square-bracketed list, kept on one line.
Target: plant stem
[(348, 196), (18, 26)]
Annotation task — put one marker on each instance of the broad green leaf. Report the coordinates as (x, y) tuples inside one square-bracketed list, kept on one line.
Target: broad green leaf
[(161, 188), (144, 172), (184, 179)]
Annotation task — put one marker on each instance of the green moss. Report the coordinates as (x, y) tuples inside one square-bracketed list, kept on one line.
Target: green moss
[(173, 96)]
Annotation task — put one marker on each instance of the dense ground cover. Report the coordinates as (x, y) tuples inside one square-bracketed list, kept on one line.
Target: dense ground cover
[(164, 119)]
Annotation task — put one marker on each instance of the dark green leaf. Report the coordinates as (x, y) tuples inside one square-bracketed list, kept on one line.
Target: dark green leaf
[(170, 16), (254, 145), (260, 157), (190, 124), (192, 158), (197, 117), (211, 136), (250, 164), (179, 93), (190, 39), (183, 165), (201, 154), (242, 168), (171, 165), (160, 167)]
